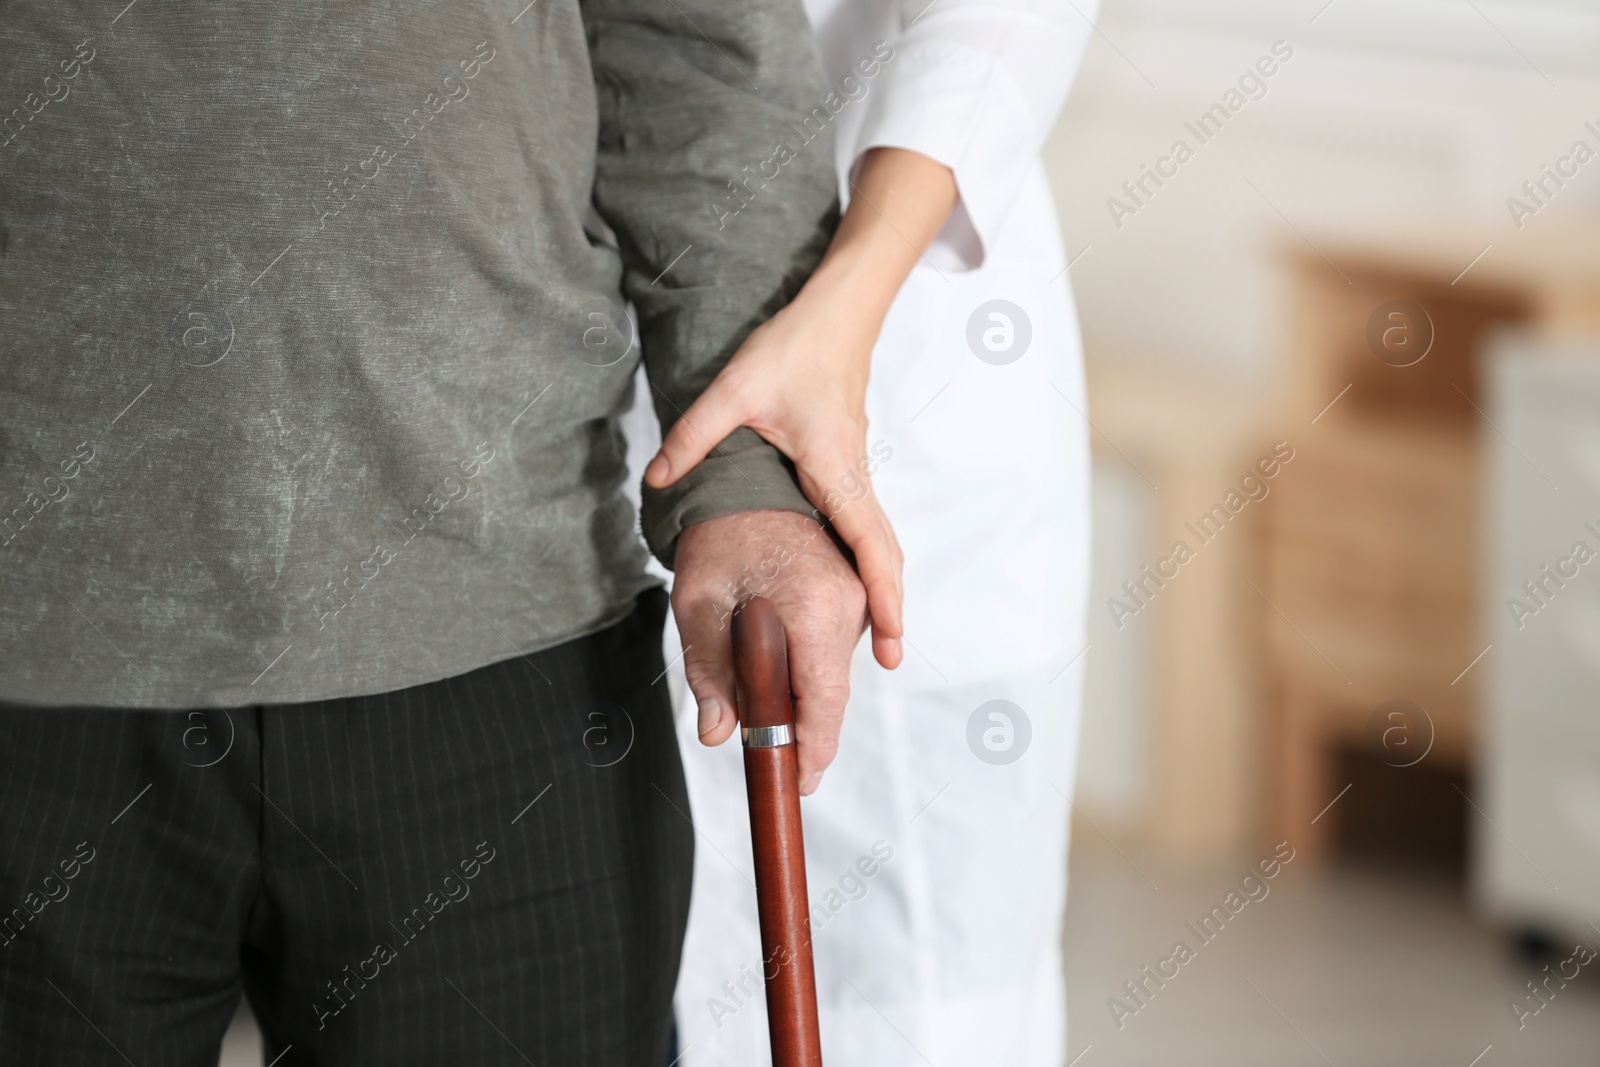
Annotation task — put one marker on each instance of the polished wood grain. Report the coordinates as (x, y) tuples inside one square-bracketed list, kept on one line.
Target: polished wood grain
[(761, 669)]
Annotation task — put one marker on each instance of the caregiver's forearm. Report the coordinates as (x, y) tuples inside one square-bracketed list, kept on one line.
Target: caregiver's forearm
[(898, 203)]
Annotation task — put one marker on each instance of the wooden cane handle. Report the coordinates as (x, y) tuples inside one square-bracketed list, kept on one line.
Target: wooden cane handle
[(771, 770), (761, 665)]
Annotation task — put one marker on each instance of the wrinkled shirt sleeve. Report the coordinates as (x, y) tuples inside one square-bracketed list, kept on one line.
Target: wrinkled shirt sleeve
[(695, 95)]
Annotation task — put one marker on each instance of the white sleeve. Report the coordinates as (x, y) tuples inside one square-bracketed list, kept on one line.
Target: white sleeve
[(975, 85)]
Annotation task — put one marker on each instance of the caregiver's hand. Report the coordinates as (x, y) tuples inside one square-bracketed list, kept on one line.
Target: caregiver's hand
[(800, 379)]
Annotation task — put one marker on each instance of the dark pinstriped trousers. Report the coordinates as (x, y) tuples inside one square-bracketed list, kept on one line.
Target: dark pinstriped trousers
[(491, 869)]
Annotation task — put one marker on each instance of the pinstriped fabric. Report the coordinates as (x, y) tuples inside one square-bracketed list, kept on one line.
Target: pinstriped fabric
[(143, 862), (442, 874)]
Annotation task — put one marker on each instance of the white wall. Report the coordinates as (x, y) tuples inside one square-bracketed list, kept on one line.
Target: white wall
[(1392, 114)]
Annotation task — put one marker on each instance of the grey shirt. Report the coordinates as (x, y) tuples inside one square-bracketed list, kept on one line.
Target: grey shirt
[(313, 342)]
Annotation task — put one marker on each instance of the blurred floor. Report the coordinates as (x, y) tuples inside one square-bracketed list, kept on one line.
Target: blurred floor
[(1350, 968)]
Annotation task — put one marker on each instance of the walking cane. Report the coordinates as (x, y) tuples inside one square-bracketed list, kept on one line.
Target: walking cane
[(771, 770)]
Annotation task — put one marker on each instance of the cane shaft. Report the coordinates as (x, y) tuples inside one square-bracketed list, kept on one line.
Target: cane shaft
[(771, 771), (781, 899)]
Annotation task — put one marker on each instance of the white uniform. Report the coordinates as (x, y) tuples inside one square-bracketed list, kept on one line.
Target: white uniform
[(936, 846)]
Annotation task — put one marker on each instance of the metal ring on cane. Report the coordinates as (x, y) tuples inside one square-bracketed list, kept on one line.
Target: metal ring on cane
[(768, 736)]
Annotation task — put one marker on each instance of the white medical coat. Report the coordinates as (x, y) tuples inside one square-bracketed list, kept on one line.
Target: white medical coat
[(936, 845)]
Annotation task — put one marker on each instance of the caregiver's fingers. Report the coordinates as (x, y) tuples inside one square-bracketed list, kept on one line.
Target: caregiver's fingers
[(859, 519), (879, 561), (718, 411)]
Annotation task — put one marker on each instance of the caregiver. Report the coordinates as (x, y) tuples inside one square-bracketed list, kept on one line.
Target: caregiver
[(947, 282)]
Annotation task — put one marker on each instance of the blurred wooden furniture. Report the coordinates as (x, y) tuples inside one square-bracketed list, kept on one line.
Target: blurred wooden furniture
[(1371, 561), (1189, 442), (1365, 557)]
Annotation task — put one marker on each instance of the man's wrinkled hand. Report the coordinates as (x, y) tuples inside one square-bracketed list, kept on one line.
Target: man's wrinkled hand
[(788, 558)]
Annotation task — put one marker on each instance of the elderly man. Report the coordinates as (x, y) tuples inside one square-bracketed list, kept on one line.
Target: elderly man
[(329, 653)]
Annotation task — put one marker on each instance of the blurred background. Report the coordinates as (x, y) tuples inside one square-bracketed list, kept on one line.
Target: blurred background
[(1378, 278), (1348, 269)]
